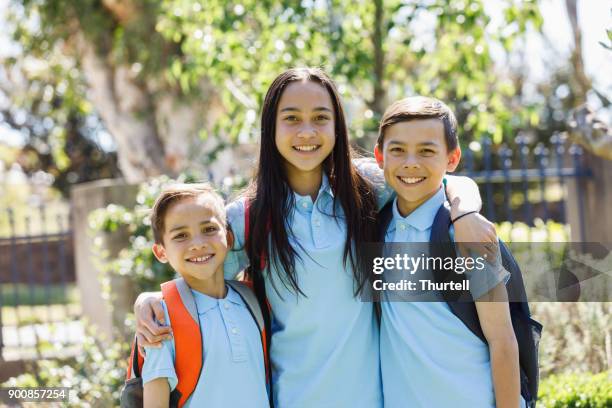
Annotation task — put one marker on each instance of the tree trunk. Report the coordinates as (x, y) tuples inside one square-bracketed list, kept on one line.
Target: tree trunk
[(154, 126), (126, 111), (378, 102), (583, 84)]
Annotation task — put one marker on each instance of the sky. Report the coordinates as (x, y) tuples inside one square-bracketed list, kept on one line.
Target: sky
[(595, 16)]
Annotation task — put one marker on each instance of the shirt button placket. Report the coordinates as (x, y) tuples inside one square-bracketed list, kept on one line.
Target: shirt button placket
[(400, 234), (317, 234), (237, 348)]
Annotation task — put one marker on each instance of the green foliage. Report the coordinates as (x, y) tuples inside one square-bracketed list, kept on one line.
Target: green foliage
[(440, 47), (245, 45), (548, 231), (32, 294), (576, 391), (94, 377), (43, 97)]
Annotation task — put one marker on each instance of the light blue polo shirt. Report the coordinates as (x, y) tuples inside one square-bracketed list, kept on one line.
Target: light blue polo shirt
[(325, 348), (429, 358), (234, 373)]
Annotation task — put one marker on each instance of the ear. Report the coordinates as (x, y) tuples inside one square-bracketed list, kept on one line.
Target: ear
[(160, 253), (453, 159), (230, 238), (379, 157)]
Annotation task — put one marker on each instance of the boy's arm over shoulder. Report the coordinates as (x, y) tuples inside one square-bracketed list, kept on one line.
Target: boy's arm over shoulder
[(485, 270), (236, 259), (494, 317), (466, 191), (159, 365)]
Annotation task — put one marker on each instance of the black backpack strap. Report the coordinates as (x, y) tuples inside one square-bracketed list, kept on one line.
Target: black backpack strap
[(526, 330), (461, 304), (385, 215)]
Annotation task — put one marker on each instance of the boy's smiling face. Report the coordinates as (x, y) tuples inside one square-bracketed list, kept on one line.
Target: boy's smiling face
[(415, 159), (195, 241)]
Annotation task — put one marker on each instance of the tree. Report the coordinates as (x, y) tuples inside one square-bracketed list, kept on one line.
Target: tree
[(160, 73), (56, 124), (586, 128)]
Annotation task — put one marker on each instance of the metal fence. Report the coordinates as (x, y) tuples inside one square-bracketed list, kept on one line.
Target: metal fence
[(525, 182), (39, 310)]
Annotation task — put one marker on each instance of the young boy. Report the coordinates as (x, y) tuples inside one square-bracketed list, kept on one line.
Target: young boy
[(429, 358), (190, 233)]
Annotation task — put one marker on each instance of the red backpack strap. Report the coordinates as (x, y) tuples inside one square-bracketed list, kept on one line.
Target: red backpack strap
[(262, 300), (188, 342), (247, 205)]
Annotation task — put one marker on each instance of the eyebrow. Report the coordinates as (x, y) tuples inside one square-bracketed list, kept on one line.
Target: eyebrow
[(395, 142), (317, 109), (180, 227)]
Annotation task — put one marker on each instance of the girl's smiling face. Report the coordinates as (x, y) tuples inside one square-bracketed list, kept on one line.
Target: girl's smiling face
[(305, 127)]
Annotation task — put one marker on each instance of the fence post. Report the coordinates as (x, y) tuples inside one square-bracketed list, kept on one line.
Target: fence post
[(85, 198), (593, 196)]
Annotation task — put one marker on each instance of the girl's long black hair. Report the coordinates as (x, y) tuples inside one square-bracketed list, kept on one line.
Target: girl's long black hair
[(271, 200)]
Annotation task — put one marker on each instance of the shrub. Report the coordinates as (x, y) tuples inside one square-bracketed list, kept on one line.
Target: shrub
[(94, 377), (576, 336), (576, 391)]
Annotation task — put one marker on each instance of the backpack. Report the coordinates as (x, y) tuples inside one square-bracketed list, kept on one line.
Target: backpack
[(526, 330), (189, 359)]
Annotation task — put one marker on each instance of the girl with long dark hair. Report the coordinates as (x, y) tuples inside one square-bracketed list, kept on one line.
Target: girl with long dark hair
[(309, 208)]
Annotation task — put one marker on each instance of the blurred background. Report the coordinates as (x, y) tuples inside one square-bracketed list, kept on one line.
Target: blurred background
[(104, 101)]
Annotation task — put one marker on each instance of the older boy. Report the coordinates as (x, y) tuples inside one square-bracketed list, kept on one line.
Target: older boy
[(429, 358)]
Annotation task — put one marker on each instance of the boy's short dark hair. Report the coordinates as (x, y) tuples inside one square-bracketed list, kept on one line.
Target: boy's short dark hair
[(420, 107), (175, 193)]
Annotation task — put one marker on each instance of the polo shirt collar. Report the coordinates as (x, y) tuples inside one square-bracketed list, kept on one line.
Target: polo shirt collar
[(205, 303), (423, 217), (306, 201), (325, 186)]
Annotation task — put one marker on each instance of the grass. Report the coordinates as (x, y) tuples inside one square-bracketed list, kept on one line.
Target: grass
[(34, 307), (30, 295), (27, 315)]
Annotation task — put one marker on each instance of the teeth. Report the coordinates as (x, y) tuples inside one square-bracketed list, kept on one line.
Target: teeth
[(412, 180), (306, 148), (200, 259)]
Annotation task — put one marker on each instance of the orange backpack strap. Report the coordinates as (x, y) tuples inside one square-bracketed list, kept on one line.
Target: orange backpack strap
[(188, 342)]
